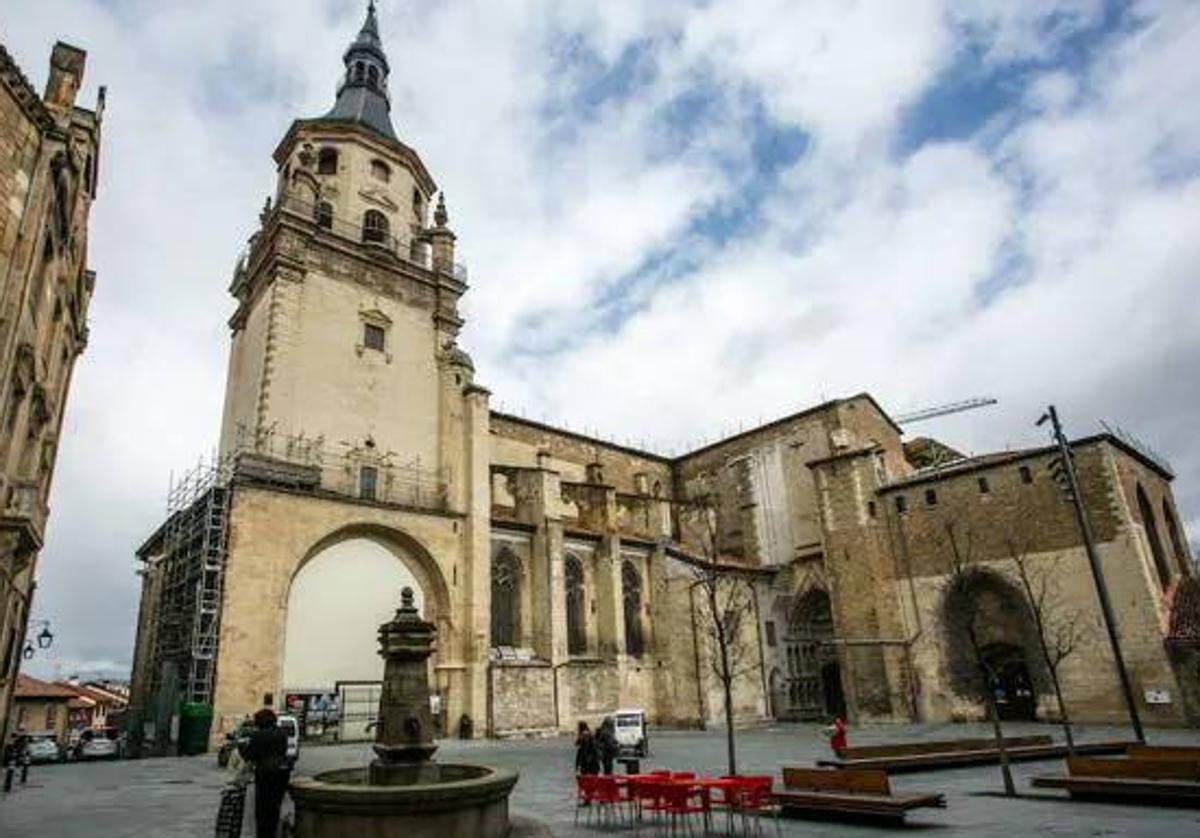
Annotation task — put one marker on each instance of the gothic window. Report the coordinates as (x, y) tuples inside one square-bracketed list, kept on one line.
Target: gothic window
[(1026, 474), (506, 599), (359, 70), (631, 590), (576, 619), (418, 203), (372, 76), (375, 226), (368, 479), (327, 162), (380, 171), (374, 336), (1156, 548), (324, 215)]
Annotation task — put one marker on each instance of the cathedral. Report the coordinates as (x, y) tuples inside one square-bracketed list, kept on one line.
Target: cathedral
[(359, 455)]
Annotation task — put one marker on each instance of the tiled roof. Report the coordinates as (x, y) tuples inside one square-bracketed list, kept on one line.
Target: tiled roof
[(28, 687)]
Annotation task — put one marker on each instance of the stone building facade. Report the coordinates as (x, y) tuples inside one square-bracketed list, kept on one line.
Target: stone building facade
[(49, 158), (359, 455)]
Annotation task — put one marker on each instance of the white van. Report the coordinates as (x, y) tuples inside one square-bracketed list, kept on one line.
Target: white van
[(289, 725), (632, 739)]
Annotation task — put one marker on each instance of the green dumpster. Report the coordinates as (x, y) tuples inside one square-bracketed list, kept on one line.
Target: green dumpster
[(195, 720)]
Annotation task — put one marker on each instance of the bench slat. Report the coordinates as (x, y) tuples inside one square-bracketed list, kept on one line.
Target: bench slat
[(1142, 769), (939, 746), (859, 802), (956, 758), (1180, 752), (1140, 790), (824, 779)]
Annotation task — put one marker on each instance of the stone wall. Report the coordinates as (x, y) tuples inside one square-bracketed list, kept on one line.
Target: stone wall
[(522, 699)]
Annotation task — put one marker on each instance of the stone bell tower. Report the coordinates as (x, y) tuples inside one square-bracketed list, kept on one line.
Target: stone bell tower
[(348, 293)]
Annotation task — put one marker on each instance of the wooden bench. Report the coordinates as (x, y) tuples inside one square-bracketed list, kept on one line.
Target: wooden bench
[(1140, 779), (847, 792), (1163, 752), (954, 753)]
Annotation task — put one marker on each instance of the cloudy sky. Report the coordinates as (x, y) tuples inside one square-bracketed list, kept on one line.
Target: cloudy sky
[(679, 217)]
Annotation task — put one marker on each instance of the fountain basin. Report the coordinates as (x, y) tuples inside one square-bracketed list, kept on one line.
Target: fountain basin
[(422, 800)]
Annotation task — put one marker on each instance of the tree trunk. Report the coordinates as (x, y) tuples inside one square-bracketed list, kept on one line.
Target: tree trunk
[(1062, 710), (994, 712), (729, 743)]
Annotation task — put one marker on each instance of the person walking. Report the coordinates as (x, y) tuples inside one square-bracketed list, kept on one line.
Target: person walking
[(266, 751), (837, 735), (587, 757), (606, 743)]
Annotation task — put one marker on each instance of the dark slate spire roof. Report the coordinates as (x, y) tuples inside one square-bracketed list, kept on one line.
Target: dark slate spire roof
[(362, 95)]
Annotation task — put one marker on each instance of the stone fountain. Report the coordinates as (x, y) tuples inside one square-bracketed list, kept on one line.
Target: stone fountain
[(404, 792)]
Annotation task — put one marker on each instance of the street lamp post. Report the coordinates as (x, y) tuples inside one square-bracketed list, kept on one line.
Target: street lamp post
[(1110, 622)]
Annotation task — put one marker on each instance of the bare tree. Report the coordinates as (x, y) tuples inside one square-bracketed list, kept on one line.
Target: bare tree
[(1059, 629), (965, 614), (727, 614)]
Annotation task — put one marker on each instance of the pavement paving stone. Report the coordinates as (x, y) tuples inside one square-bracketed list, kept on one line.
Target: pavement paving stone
[(177, 797)]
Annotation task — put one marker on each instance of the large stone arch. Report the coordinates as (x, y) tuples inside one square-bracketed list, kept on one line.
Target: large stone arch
[(326, 639), (990, 606)]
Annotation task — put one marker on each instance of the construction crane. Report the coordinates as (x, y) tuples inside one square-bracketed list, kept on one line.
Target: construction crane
[(943, 410)]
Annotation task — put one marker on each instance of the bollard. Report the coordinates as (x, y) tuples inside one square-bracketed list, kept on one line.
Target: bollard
[(8, 778), (24, 772)]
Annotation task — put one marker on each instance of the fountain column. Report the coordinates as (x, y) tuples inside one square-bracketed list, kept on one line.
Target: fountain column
[(404, 730)]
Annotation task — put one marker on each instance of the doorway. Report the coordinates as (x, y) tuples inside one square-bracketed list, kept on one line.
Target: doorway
[(1011, 684), (831, 689)]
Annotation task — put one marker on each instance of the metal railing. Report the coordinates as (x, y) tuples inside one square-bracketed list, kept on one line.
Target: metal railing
[(415, 251), (363, 473)]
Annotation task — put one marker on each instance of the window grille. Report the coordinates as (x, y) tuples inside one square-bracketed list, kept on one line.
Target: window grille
[(506, 602), (631, 587), (576, 626)]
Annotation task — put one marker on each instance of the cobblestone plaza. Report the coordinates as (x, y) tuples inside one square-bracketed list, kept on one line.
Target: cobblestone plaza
[(177, 797)]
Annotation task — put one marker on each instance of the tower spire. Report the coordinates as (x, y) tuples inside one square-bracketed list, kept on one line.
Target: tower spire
[(362, 95)]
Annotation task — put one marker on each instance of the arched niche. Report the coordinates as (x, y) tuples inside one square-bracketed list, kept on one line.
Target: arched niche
[(345, 587)]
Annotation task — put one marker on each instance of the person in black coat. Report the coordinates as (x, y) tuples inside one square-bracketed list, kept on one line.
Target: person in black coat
[(606, 743), (587, 757), (266, 750)]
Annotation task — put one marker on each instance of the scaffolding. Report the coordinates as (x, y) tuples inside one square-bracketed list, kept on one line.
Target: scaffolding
[(186, 559), (191, 562)]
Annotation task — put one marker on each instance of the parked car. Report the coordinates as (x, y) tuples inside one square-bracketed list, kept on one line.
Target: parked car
[(289, 725), (99, 744), (632, 739), (43, 747)]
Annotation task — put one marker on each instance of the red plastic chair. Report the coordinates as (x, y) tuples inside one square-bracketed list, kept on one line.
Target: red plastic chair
[(645, 793), (680, 801), (754, 798)]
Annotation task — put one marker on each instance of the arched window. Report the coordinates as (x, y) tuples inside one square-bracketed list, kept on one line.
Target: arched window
[(358, 71), (327, 161), (380, 171), (576, 616), (631, 591), (375, 226), (1181, 555), (1151, 527), (506, 599), (372, 76), (323, 215)]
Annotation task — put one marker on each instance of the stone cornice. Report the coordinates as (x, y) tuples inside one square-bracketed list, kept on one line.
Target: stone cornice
[(337, 129), (23, 92), (266, 256)]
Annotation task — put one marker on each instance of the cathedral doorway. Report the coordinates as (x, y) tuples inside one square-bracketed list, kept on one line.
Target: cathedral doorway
[(814, 674), (1011, 683), (337, 601), (831, 689)]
